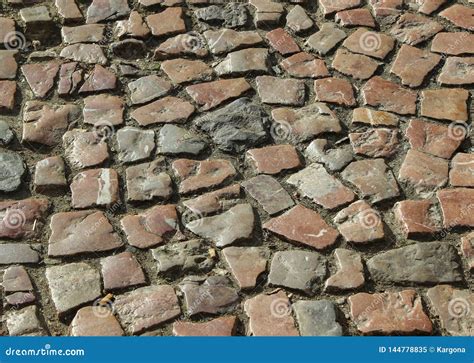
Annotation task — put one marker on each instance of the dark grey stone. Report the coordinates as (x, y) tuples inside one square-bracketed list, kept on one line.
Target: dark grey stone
[(176, 140), (233, 15), (12, 169), (6, 134)]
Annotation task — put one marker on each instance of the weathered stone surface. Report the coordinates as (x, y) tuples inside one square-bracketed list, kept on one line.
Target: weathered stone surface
[(270, 315), (455, 43), (350, 272), (232, 15), (24, 322), (103, 110), (445, 104), (326, 38), (11, 253), (189, 44), (329, 192), (147, 181), (267, 12), (375, 143), (304, 65), (95, 187), (236, 126), (19, 299), (100, 79), (72, 285), (413, 29), (456, 205), (359, 223), (303, 226), (50, 174), (212, 94), (9, 63), (85, 53), (355, 17), (300, 124), (356, 65), (317, 318), (12, 169), (7, 92), (273, 90), (185, 70), (298, 20), (134, 27), (101, 10), (243, 62), (182, 258), (89, 33), (457, 71), (165, 110), (416, 217), (88, 323), (148, 88), (386, 8), (226, 40), (84, 149), (223, 326), (168, 22), (196, 175), (372, 179), (282, 42), (389, 313), (459, 15), (6, 133), (151, 227), (453, 307), (40, 76), (234, 225), (176, 140), (217, 201), (298, 270), (146, 307), (432, 138), (18, 217), (371, 43), (15, 279), (134, 144), (371, 117), (467, 248), (425, 6), (462, 170), (334, 90), (333, 158), (412, 65), (269, 193), (273, 159), (213, 295), (423, 263), (121, 270), (246, 264), (389, 96)]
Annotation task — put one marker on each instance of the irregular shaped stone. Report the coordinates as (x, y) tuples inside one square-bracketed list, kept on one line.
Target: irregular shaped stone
[(88, 323), (50, 174), (38, 23), (213, 295), (456, 205), (226, 40), (462, 170), (12, 169), (457, 71), (355, 17), (432, 138), (147, 181), (74, 233), (95, 187), (422, 263), (386, 8), (89, 33), (165, 110), (333, 158), (329, 192), (413, 29), (269, 193), (413, 64), (298, 20), (84, 149), (350, 272), (197, 175), (72, 285), (445, 104), (371, 117), (356, 65), (168, 22), (375, 142), (70, 75), (24, 322), (40, 76), (147, 307), (185, 70), (11, 253), (267, 12), (389, 313), (334, 90), (304, 65), (15, 279), (467, 249), (176, 140), (303, 226), (282, 42), (84, 53), (19, 299), (100, 79), (389, 96), (317, 318), (217, 201), (459, 15), (359, 223), (273, 90), (234, 225), (151, 227), (328, 36), (246, 264), (212, 94), (416, 217), (331, 6), (22, 218), (121, 270), (9, 63), (134, 144), (425, 6), (7, 26), (372, 179), (298, 270), (273, 159), (182, 258), (270, 315), (134, 27), (223, 326), (236, 126), (371, 43), (189, 44), (7, 94), (232, 15), (455, 43), (101, 10), (423, 171), (244, 61), (103, 110)]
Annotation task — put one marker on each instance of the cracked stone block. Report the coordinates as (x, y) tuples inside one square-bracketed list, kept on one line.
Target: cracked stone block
[(334, 158), (416, 218), (227, 40), (95, 187)]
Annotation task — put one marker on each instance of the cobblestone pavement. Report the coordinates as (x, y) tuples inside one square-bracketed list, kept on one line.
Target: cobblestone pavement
[(172, 167)]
